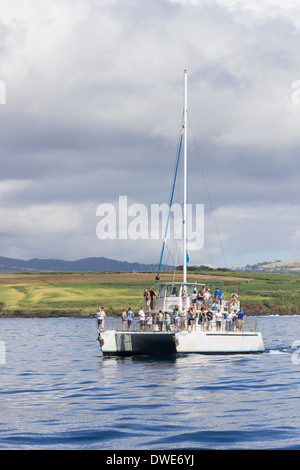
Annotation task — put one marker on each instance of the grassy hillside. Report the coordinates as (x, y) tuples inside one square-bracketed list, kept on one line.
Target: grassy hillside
[(82, 293), (284, 265), (280, 267)]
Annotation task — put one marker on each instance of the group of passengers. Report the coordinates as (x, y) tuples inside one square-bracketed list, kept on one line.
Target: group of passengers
[(231, 320), (198, 299), (202, 298), (202, 310), (185, 319), (181, 319), (146, 319)]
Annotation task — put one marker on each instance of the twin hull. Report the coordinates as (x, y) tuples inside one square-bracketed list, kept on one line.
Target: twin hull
[(113, 342)]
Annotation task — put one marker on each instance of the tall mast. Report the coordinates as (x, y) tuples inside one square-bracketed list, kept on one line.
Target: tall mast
[(185, 183)]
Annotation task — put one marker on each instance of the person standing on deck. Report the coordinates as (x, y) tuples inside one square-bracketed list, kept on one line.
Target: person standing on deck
[(202, 318), (160, 320), (130, 317), (194, 298), (183, 319), (142, 318), (241, 316), (99, 319), (147, 298), (124, 319), (176, 318), (234, 298), (229, 318), (184, 298), (149, 321), (218, 296), (191, 318), (209, 318), (207, 297), (219, 317), (100, 315), (168, 321), (152, 295), (234, 320), (200, 300)]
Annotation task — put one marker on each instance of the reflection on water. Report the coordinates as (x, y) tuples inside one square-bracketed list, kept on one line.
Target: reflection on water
[(58, 392)]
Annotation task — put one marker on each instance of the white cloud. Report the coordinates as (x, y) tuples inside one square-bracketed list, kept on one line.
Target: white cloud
[(9, 186)]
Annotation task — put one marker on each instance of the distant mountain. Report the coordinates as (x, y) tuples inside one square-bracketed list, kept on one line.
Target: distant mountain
[(10, 265), (282, 267)]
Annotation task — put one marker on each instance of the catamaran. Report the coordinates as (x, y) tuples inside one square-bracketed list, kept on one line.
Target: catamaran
[(215, 336)]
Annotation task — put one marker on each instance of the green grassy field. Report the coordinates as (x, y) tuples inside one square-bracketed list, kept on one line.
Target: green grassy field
[(81, 294)]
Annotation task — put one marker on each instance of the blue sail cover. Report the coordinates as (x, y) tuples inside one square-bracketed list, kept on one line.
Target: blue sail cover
[(170, 206)]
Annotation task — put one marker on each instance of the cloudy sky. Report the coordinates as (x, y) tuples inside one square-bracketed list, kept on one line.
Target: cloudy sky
[(93, 109)]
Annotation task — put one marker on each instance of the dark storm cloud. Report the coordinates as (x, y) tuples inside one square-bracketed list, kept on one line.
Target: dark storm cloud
[(94, 111)]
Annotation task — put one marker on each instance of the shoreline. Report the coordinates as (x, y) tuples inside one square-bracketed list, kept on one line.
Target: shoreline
[(78, 295)]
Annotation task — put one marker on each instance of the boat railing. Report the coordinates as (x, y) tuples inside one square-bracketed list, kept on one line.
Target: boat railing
[(169, 303), (249, 324)]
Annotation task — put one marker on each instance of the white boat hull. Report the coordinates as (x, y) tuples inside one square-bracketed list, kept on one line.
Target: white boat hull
[(113, 342), (219, 342)]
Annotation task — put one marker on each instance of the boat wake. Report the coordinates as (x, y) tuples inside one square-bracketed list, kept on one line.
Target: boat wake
[(278, 351), (283, 350)]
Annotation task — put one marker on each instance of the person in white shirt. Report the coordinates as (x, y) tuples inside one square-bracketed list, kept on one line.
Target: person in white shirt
[(207, 296), (99, 319), (149, 320), (184, 298), (100, 315), (103, 316), (229, 320), (142, 318), (219, 317)]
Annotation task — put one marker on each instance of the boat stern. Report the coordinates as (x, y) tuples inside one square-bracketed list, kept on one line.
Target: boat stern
[(131, 343)]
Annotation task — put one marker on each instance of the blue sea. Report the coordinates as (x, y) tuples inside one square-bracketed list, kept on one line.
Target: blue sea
[(58, 392)]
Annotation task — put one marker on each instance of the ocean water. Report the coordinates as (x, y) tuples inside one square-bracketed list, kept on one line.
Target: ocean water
[(57, 392)]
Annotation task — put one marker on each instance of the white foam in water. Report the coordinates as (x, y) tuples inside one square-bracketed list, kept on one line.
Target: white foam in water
[(277, 351)]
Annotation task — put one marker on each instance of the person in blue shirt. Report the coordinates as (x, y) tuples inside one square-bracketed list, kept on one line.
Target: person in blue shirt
[(130, 317), (241, 316), (218, 295)]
